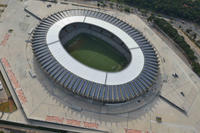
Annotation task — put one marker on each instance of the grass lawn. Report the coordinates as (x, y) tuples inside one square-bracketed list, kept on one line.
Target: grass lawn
[(96, 53), (9, 106)]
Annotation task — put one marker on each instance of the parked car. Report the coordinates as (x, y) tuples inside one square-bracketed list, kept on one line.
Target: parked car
[(1, 86)]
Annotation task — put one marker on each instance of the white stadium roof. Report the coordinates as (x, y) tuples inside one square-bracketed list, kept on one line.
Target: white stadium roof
[(66, 60)]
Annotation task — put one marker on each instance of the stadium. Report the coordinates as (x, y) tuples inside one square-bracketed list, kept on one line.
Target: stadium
[(82, 68), (95, 55)]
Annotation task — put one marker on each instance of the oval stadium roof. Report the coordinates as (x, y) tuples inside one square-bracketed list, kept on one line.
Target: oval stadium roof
[(133, 81)]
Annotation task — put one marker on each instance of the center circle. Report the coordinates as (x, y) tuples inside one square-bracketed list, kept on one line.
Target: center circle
[(95, 47)]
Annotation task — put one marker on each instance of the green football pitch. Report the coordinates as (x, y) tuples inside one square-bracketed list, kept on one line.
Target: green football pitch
[(96, 53)]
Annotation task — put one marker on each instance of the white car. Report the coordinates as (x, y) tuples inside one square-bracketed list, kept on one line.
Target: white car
[(1, 86)]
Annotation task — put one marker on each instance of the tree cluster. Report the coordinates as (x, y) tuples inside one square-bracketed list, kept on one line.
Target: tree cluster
[(173, 33), (185, 9)]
